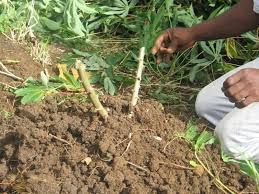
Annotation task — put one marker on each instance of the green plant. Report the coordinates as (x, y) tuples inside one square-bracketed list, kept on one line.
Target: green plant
[(132, 23), (248, 167), (35, 91), (198, 142)]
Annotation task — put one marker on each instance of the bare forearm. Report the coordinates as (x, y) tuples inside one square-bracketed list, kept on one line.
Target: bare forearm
[(241, 18)]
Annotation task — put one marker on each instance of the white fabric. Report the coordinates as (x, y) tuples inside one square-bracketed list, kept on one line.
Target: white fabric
[(256, 6), (237, 129)]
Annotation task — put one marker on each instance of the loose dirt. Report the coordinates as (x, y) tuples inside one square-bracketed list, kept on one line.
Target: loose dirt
[(43, 148), (62, 146), (25, 66)]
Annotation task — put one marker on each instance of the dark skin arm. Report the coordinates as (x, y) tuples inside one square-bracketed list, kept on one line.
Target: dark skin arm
[(241, 88), (239, 19)]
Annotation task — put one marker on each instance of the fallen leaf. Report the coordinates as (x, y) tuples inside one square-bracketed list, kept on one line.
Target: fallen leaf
[(62, 68), (75, 73), (87, 161)]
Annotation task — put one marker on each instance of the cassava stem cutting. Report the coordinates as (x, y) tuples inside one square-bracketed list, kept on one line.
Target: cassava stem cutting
[(94, 97), (141, 67)]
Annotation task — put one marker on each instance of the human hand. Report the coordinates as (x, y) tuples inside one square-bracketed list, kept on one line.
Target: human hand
[(170, 41), (242, 88)]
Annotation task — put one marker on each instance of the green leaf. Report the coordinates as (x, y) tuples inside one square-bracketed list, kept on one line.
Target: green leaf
[(50, 24), (108, 86), (33, 97), (95, 63), (24, 91), (193, 163), (71, 81), (85, 8), (192, 132), (227, 158), (251, 169), (81, 53), (196, 69), (205, 138), (95, 78), (206, 48)]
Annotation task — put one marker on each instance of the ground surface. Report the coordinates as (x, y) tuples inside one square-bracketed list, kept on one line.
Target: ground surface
[(46, 147)]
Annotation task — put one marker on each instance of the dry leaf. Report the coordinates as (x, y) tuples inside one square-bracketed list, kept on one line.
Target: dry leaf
[(62, 68), (75, 73), (87, 161)]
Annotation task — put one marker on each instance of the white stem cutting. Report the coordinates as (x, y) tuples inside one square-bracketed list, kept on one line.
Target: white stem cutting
[(141, 67)]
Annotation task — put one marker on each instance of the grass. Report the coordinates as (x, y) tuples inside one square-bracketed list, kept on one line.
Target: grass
[(115, 27)]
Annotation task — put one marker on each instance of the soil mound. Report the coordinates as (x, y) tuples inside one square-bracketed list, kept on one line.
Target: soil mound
[(64, 147)]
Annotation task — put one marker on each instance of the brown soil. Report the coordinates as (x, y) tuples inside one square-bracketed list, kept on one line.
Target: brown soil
[(11, 50), (45, 147), (24, 67), (39, 163)]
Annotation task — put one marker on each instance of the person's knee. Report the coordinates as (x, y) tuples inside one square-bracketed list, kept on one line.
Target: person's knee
[(230, 144), (233, 141), (201, 104)]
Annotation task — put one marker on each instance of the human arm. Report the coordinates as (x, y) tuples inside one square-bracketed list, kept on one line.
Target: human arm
[(239, 19)]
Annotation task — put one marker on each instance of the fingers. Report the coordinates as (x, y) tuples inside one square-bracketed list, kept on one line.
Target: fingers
[(238, 97), (170, 49), (246, 102), (158, 43), (164, 47), (237, 92), (232, 80)]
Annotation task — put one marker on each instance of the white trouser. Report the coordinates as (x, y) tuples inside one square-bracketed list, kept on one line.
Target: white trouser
[(237, 129)]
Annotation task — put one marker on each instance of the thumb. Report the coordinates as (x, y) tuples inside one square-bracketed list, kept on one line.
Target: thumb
[(158, 44), (171, 49)]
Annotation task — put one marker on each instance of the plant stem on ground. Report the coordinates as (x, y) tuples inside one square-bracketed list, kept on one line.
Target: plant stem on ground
[(94, 97)]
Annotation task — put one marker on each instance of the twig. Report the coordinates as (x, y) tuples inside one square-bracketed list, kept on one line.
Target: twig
[(121, 142), (138, 77), (11, 75), (8, 37), (92, 172), (60, 139), (224, 187), (128, 146), (137, 166), (168, 143), (9, 62), (177, 166), (6, 72), (7, 85), (86, 83)]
